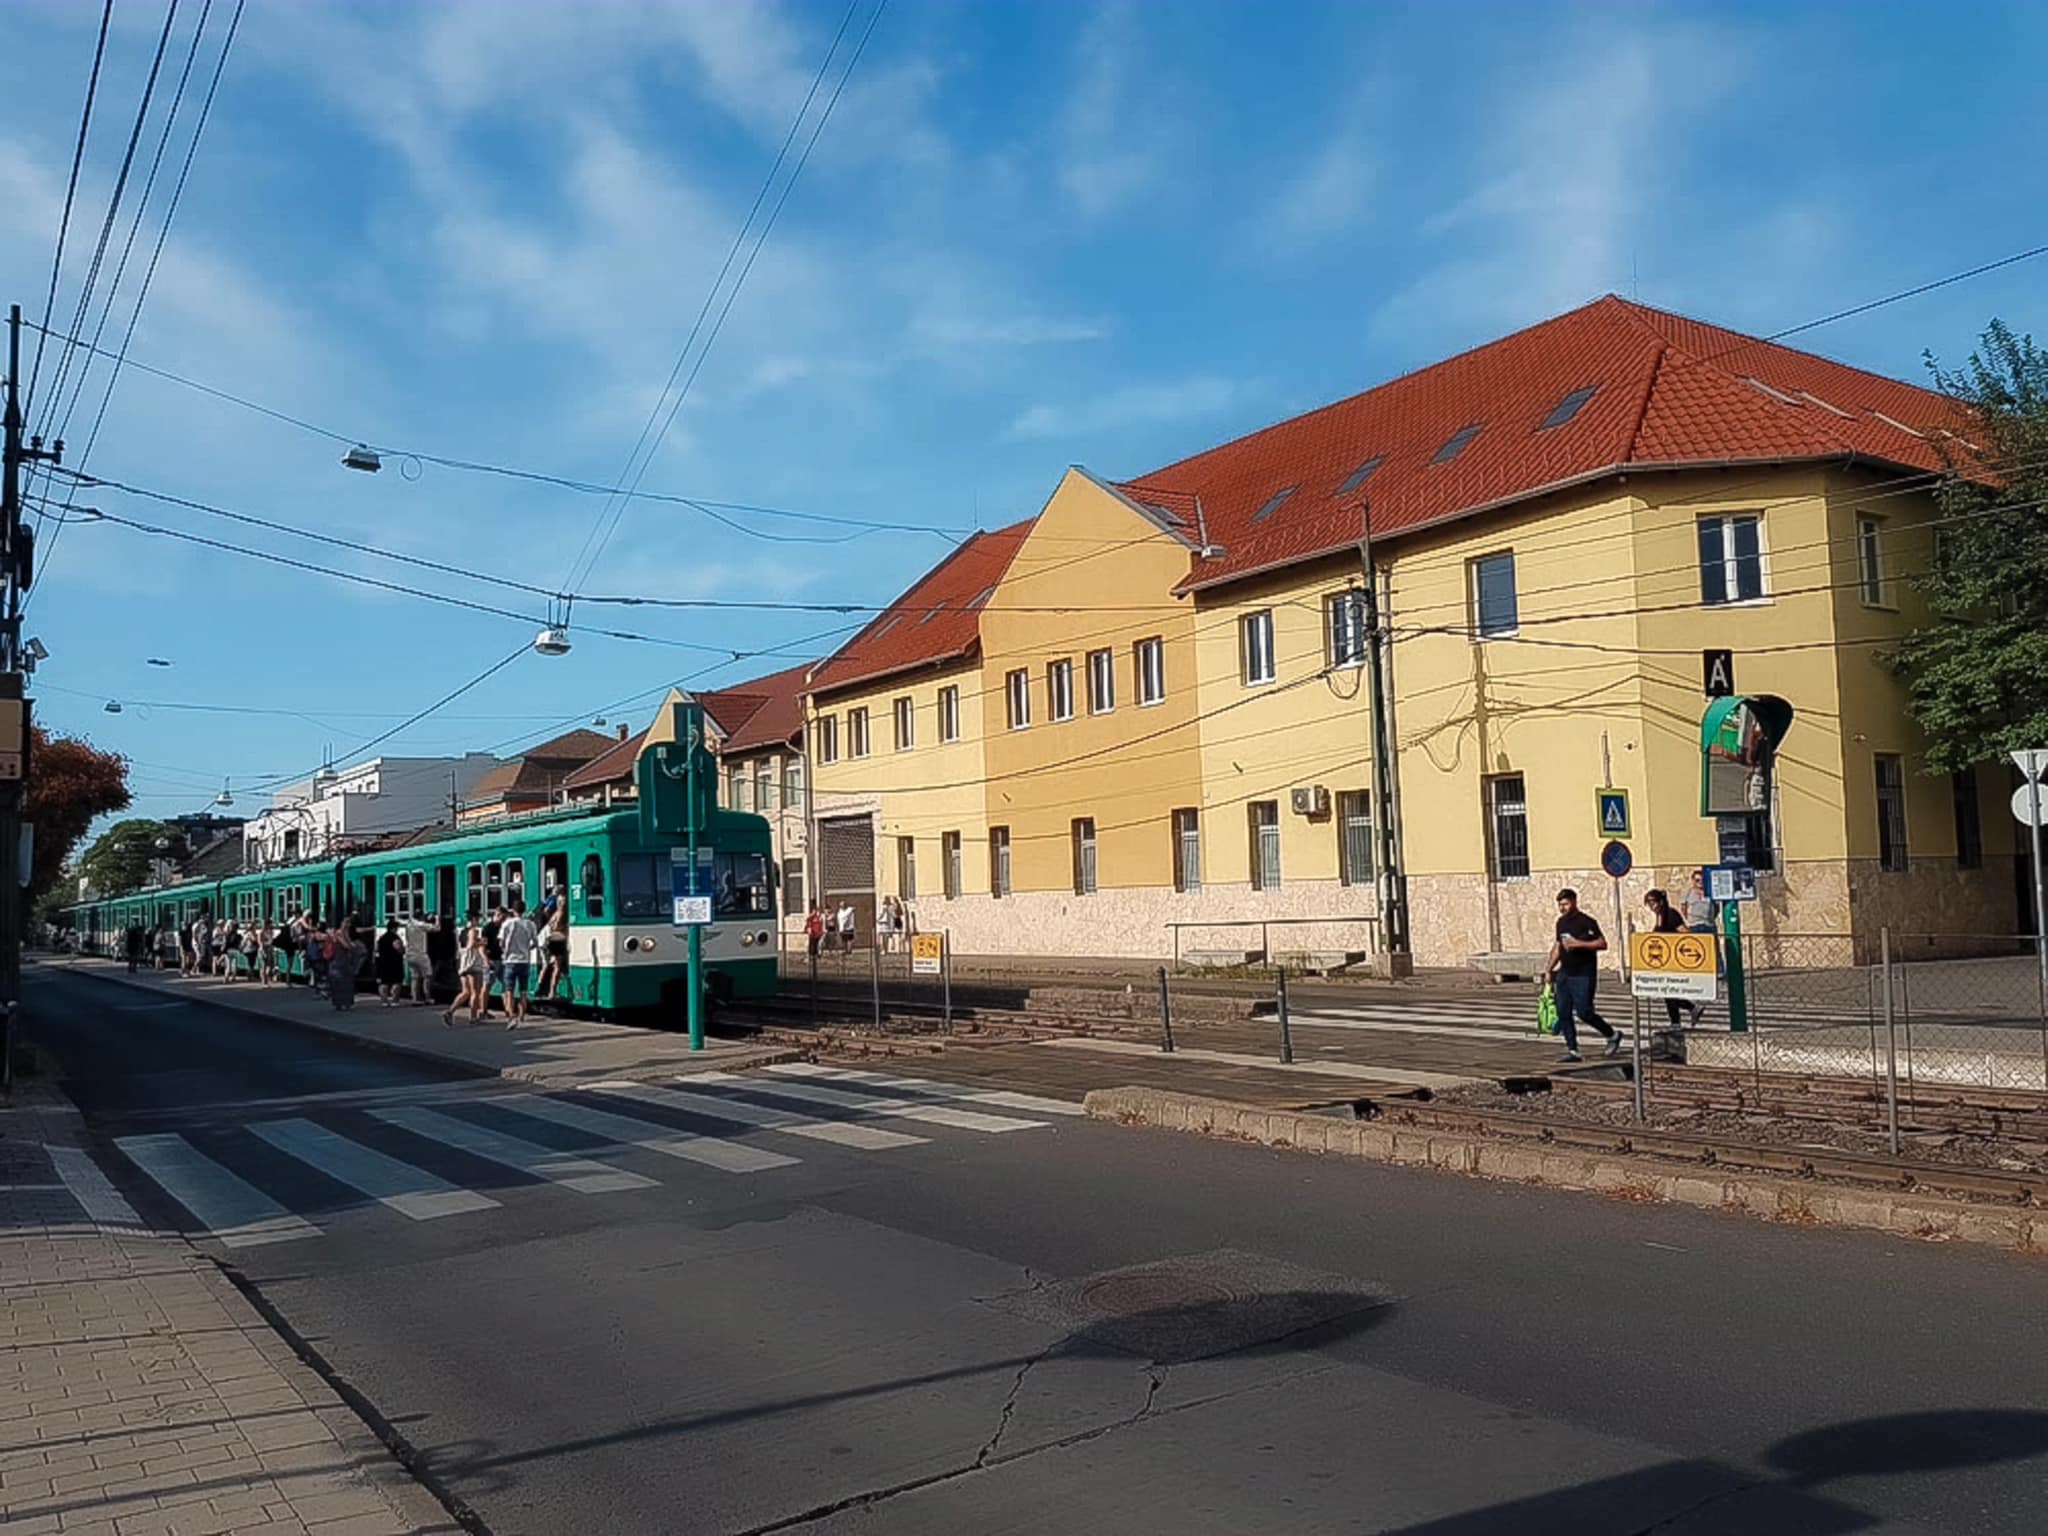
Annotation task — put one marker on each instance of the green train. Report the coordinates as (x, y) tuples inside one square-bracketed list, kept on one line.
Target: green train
[(615, 868)]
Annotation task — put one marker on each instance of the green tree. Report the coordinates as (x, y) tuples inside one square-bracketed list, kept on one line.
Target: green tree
[(71, 783), (1976, 676), (118, 860)]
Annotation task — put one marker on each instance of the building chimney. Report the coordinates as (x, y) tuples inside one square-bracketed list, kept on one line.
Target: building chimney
[(622, 730)]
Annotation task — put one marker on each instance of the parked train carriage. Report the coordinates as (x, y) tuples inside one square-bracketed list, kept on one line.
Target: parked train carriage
[(624, 954), (102, 925)]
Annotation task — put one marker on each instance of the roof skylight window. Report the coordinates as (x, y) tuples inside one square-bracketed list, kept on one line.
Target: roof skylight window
[(1772, 390), (1360, 475), (1273, 504), (1567, 408), (932, 613), (1827, 405), (1456, 444), (982, 596), (1909, 431)]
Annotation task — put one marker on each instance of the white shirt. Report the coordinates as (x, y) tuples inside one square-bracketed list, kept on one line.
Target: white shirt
[(846, 919), (415, 939), (515, 939)]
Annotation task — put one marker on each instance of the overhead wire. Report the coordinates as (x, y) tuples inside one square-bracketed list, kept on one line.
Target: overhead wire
[(92, 85)]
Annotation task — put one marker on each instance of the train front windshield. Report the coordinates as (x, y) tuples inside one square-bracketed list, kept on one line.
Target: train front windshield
[(739, 885)]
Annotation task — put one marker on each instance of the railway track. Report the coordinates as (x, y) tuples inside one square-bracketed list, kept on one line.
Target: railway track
[(1943, 1110)]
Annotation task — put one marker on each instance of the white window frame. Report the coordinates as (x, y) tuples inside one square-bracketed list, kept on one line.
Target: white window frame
[(953, 863), (949, 712), (1344, 625), (1354, 812), (828, 738), (793, 783), (1255, 648), (1731, 564), (903, 715), (1148, 660), (1017, 698), (906, 868), (1083, 832), (1101, 682), (1870, 578), (1473, 568), (1059, 690), (1187, 849), (764, 787), (857, 742), (1262, 829), (1496, 809), (999, 862)]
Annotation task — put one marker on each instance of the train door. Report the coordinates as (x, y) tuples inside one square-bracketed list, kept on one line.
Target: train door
[(444, 891), (554, 877)]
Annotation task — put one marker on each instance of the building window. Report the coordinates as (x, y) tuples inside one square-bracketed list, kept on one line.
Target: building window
[(1969, 819), (1187, 850), (1732, 559), (1263, 820), (857, 732), (949, 712), (1891, 811), (1354, 834), (906, 723), (1870, 560), (1344, 614), (1059, 690), (1255, 646), (1148, 659), (828, 738), (793, 885), (906, 868), (764, 786), (1101, 682), (1494, 610), (1017, 698), (1083, 832), (738, 793), (949, 851), (999, 861), (793, 783), (1507, 804)]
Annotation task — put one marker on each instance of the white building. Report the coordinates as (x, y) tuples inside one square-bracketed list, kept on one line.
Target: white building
[(385, 794)]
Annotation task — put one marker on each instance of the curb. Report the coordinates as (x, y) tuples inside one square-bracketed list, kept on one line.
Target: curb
[(458, 1064), (1790, 1201)]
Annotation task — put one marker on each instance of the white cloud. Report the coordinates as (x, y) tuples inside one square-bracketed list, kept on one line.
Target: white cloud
[(1327, 193), (1585, 152), (1132, 405), (1113, 126)]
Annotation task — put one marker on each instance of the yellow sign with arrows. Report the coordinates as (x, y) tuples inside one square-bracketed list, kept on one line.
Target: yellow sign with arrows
[(1677, 965)]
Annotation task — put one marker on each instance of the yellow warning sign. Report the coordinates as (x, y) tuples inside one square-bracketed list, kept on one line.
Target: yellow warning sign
[(1687, 954), (927, 953)]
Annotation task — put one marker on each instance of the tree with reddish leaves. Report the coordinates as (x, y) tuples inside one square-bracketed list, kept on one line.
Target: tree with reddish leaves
[(70, 784)]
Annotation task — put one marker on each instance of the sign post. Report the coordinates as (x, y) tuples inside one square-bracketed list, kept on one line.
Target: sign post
[(661, 779), (2030, 804), (1739, 736), (1612, 807)]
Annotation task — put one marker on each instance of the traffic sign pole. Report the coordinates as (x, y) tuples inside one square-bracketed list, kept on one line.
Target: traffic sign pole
[(696, 966), (2040, 901), (1738, 994)]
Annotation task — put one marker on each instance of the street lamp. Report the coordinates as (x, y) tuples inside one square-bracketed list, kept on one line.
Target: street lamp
[(553, 640), (225, 797), (362, 457)]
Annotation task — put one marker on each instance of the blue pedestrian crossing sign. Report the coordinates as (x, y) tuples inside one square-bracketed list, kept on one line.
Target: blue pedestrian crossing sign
[(1613, 812)]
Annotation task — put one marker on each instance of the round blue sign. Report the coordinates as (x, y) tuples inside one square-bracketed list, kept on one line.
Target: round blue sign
[(1617, 860)]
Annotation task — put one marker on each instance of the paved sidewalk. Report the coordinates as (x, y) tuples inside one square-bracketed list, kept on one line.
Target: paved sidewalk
[(141, 1394), (543, 1050)]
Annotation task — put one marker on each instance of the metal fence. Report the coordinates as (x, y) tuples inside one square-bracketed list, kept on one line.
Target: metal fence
[(1938, 1020)]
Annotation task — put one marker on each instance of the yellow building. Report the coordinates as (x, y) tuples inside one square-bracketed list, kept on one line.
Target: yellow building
[(1561, 524)]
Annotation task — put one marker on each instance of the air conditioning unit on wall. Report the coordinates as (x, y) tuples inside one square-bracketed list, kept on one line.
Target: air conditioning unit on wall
[(1312, 800)]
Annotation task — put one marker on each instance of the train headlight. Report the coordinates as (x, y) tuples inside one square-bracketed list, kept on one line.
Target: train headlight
[(746, 940), (632, 944), (761, 937)]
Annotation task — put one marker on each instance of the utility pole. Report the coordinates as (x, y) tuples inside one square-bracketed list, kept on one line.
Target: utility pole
[(1392, 886), (17, 571)]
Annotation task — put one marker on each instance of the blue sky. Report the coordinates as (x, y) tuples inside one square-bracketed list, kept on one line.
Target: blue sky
[(1030, 235)]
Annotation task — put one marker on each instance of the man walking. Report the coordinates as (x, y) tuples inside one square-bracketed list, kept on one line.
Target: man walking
[(419, 969), (516, 939), (1574, 971)]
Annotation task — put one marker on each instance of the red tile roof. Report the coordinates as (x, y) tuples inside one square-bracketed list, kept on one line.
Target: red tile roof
[(1667, 392), (577, 746), (609, 766), (938, 619), (763, 712)]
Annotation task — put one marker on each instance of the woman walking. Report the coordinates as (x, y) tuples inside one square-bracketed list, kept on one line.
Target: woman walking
[(472, 966), (390, 963), (344, 961), (1665, 918)]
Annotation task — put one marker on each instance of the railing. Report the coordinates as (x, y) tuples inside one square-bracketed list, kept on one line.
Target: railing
[(1367, 927)]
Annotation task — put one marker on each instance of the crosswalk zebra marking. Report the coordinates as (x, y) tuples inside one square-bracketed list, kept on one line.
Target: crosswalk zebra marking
[(95, 1195), (868, 1138), (890, 1109), (230, 1209), (581, 1174), (623, 1130), (927, 1088), (410, 1191)]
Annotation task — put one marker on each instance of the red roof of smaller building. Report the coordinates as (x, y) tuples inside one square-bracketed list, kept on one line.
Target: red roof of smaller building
[(938, 619), (609, 766), (1499, 423), (762, 712)]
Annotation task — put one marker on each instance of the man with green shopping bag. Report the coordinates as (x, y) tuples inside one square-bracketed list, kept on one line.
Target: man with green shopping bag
[(1574, 971)]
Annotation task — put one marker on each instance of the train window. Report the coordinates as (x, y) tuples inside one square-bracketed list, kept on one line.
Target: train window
[(417, 904), (515, 883), (475, 906), (742, 884), (390, 897), (640, 895), (494, 885), (593, 885)]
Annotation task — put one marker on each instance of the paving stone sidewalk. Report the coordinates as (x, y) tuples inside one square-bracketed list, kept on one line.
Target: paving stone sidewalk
[(545, 1049), (141, 1394)]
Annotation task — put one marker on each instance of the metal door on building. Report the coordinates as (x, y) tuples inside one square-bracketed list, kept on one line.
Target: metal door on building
[(845, 868)]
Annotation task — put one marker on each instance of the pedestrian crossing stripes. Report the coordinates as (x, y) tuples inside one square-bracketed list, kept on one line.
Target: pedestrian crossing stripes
[(289, 1178)]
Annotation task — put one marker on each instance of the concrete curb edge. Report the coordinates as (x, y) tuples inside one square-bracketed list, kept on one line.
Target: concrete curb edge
[(1788, 1201)]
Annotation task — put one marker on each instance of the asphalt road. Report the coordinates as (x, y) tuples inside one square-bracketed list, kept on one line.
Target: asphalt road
[(1014, 1321)]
